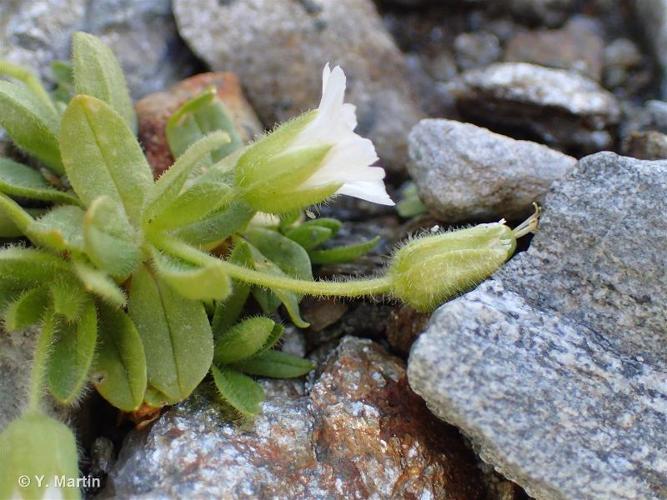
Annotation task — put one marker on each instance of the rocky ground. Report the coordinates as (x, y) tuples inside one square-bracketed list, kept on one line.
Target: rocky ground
[(547, 380)]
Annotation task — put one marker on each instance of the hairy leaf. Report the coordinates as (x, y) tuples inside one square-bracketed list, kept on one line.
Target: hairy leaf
[(238, 390), (195, 119), (228, 311), (26, 310), (309, 236), (68, 298), (17, 179), (119, 371), (190, 281), (111, 242), (63, 74), (97, 73), (217, 226), (102, 157), (28, 267), (72, 355), (14, 214), (289, 256), (243, 340), (60, 229), (32, 125), (341, 254), (275, 364), (175, 332), (100, 284)]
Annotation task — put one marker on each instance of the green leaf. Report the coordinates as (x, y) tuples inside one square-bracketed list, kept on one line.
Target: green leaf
[(191, 281), (26, 310), (292, 259), (27, 78), (14, 214), (97, 73), (217, 226), (238, 390), (410, 206), (170, 184), (8, 229), (243, 340), (63, 74), (176, 334), (341, 254), (309, 236), (275, 364), (100, 284), (102, 157), (111, 243), (228, 311), (17, 179), (68, 298), (156, 399), (119, 371), (31, 123), (29, 267), (198, 117), (60, 229), (72, 355), (37, 446)]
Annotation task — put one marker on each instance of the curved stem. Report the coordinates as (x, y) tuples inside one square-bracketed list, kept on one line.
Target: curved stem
[(40, 361), (352, 288)]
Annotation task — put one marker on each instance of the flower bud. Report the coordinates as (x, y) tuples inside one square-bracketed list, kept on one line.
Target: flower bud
[(431, 269), (312, 157), (38, 455)]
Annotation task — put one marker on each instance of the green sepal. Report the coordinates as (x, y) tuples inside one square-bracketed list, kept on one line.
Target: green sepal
[(26, 310), (102, 156), (31, 123), (72, 355), (191, 281), (60, 229), (100, 284), (245, 339), (119, 370), (275, 364), (111, 243), (228, 311), (241, 392), (33, 446), (341, 254), (176, 334), (198, 117), (97, 73), (170, 184), (67, 298), (20, 180), (218, 226)]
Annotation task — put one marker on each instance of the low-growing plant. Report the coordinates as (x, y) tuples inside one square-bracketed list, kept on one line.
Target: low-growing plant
[(139, 287)]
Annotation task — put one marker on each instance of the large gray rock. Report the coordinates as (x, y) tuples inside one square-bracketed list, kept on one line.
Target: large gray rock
[(467, 173), (143, 36), (556, 368), (562, 108), (356, 432), (35, 32), (279, 47)]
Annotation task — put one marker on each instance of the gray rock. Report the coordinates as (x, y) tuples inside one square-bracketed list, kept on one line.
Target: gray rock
[(652, 17), (467, 173), (143, 36), (474, 50), (35, 32), (547, 12), (279, 47), (560, 107), (356, 432), (556, 368)]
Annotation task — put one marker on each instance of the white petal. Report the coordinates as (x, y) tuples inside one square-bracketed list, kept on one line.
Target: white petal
[(370, 191)]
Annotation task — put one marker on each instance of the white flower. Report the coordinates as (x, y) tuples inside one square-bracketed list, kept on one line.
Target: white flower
[(351, 156)]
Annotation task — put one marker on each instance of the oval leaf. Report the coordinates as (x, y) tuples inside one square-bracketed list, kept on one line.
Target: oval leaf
[(238, 390), (17, 179), (26, 310), (102, 157), (347, 253), (243, 340), (275, 364), (176, 334), (97, 73), (100, 284), (119, 372), (60, 229), (29, 266)]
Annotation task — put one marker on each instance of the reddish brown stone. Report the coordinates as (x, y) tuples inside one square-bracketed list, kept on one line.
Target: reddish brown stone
[(404, 326), (155, 109)]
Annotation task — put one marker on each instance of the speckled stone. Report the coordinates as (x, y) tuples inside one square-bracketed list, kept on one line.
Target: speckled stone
[(467, 173), (556, 368), (279, 47), (356, 432), (562, 108)]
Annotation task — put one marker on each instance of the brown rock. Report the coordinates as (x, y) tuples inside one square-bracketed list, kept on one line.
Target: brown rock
[(404, 326), (155, 109), (649, 145), (359, 433), (577, 46)]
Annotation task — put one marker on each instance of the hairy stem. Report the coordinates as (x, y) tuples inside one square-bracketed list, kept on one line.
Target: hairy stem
[(39, 362), (352, 288)]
